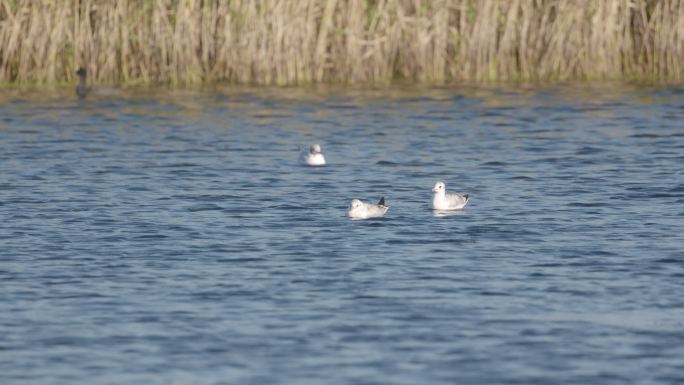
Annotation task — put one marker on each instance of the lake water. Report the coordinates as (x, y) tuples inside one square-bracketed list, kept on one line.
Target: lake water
[(171, 237)]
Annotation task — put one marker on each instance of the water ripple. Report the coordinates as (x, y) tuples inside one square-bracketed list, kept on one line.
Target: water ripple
[(174, 238)]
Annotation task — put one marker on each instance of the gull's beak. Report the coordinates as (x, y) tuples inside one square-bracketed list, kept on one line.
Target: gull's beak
[(434, 189)]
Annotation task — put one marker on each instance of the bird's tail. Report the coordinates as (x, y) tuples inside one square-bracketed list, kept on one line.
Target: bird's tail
[(382, 201)]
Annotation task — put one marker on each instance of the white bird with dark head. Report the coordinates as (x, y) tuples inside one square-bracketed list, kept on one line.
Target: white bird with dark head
[(444, 201), (313, 157), (361, 210)]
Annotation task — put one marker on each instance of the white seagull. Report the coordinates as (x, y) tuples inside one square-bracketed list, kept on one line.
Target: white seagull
[(313, 157), (360, 210), (444, 201)]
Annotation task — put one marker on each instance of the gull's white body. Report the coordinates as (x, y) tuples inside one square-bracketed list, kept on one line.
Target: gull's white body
[(313, 157), (361, 210), (444, 201)]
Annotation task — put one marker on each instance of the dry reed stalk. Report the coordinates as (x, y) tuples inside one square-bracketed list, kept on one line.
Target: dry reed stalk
[(289, 42)]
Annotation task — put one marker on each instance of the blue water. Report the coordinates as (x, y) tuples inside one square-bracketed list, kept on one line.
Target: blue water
[(171, 237)]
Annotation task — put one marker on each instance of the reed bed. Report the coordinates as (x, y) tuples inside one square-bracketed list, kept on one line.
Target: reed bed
[(288, 42)]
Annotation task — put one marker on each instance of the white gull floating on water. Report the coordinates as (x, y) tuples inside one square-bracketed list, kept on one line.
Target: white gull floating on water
[(313, 157), (361, 210), (444, 201)]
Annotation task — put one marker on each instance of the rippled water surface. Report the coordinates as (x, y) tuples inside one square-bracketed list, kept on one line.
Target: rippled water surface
[(171, 237)]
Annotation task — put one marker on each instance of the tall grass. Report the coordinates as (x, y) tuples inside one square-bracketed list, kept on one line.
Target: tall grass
[(340, 41)]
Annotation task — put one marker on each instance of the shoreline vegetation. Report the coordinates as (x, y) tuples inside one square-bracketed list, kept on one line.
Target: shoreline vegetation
[(351, 42)]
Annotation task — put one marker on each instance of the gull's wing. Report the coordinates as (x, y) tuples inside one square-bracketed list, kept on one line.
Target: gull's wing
[(457, 200)]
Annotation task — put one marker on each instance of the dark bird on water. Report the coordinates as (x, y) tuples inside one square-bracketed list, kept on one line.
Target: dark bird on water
[(81, 89)]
